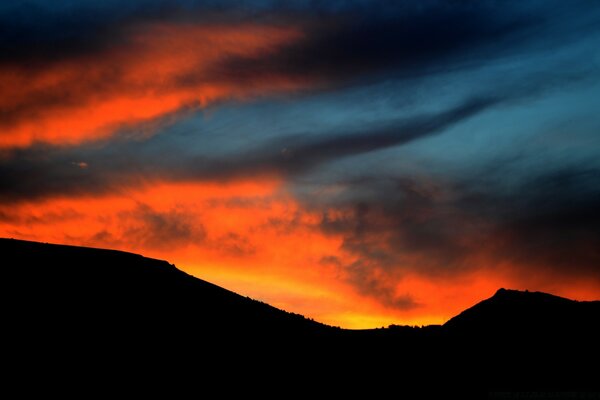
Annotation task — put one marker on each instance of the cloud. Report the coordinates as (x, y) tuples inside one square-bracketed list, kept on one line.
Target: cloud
[(374, 282), (234, 244), (162, 218), (542, 229), (47, 170), (131, 83), (402, 38), (552, 222), (309, 154), (39, 217), (36, 33), (43, 171), (147, 228), (88, 71)]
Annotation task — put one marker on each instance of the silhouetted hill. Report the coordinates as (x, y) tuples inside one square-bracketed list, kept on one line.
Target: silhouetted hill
[(98, 287), (103, 317), (529, 312)]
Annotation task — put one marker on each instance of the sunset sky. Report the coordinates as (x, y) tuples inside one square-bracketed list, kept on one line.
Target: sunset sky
[(363, 163)]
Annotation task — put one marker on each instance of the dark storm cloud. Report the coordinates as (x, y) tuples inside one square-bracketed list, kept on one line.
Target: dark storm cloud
[(44, 171), (148, 228), (553, 220), (403, 223), (37, 31), (546, 223), (342, 39), (400, 38), (378, 287), (143, 227), (363, 41)]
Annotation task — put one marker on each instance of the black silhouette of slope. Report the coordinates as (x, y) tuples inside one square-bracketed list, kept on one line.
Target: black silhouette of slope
[(525, 312), (527, 340), (103, 317), (103, 288)]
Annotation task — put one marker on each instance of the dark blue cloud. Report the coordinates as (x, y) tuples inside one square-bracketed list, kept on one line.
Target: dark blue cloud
[(343, 37), (405, 39), (45, 171)]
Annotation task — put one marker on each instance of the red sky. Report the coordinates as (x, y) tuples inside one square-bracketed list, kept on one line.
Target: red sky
[(254, 238), (159, 69), (360, 166)]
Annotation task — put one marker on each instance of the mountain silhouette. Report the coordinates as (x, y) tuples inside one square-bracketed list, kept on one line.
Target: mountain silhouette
[(528, 339), (517, 311), (88, 308), (133, 291)]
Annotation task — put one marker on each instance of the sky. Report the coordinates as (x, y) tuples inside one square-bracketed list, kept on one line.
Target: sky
[(363, 163)]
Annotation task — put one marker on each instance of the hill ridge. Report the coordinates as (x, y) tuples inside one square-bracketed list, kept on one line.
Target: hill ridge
[(99, 307)]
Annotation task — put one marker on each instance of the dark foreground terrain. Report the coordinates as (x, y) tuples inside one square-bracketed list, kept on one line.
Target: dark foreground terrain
[(96, 319)]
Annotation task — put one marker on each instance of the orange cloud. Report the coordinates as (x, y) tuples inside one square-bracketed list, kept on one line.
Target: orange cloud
[(254, 238), (154, 71)]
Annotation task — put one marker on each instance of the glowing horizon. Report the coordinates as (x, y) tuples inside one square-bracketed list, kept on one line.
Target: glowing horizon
[(184, 224)]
